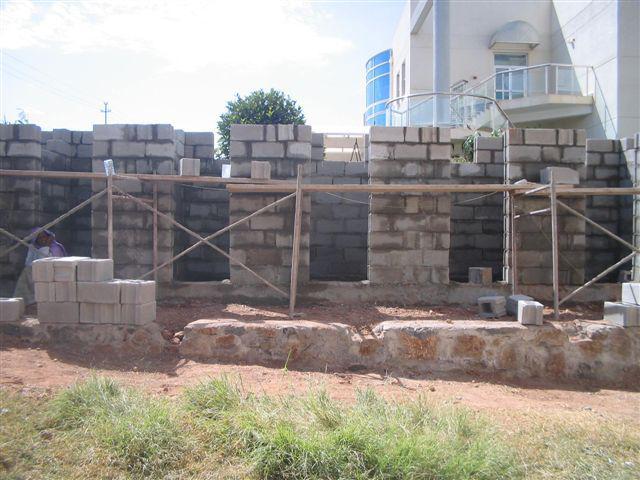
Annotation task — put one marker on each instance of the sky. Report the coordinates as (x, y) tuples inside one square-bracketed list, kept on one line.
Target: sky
[(180, 61)]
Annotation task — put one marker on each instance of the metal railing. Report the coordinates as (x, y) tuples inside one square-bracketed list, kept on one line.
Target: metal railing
[(418, 109)]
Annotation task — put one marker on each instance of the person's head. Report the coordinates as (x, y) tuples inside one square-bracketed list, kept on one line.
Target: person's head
[(44, 239)]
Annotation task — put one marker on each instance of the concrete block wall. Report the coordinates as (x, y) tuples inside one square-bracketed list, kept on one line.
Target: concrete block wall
[(606, 167), (409, 234), (149, 149), (20, 200), (477, 220), (264, 243), (339, 223), (527, 152)]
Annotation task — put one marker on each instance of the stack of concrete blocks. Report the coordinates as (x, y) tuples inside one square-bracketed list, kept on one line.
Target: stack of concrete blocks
[(317, 147), (528, 153), (409, 234), (143, 149), (339, 224), (11, 309), (71, 151), (606, 168), (83, 290), (629, 226), (477, 225), (265, 242), (625, 313), (199, 145), (205, 211), (20, 200), (492, 306)]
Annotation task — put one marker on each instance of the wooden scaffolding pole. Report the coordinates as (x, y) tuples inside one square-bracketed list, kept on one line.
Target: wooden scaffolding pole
[(110, 217), (155, 232), (295, 253), (513, 242), (554, 249)]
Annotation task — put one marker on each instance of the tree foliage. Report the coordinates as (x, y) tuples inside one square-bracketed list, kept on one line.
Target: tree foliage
[(259, 107)]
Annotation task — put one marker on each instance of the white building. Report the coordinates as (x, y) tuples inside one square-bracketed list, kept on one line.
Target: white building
[(564, 64)]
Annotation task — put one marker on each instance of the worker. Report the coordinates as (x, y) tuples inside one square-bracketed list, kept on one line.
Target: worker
[(42, 246)]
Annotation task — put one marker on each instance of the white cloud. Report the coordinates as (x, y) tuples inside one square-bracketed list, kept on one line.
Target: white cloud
[(185, 35)]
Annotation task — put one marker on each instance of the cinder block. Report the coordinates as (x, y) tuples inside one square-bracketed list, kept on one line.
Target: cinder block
[(267, 150), (59, 312), (138, 314), (137, 291), (44, 291), (561, 176), (247, 132), (27, 149), (260, 170), (539, 136), (299, 150), (165, 131), (64, 269), (65, 291), (285, 132), (303, 133), (99, 292), (198, 138), (631, 293), (386, 134), (622, 314), (94, 270), (190, 167), (109, 132), (530, 312), (100, 313), (480, 275), (512, 303), (128, 149), (160, 150), (492, 306), (42, 270), (11, 309)]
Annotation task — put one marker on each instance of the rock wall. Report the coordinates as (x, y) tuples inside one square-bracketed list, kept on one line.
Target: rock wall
[(409, 234), (477, 219), (528, 152)]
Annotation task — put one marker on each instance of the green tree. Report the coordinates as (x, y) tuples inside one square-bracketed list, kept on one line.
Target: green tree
[(259, 108)]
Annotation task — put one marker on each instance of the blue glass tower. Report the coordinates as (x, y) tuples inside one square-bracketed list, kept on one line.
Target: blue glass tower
[(378, 78)]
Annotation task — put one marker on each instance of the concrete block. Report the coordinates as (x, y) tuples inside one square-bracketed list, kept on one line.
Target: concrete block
[(267, 150), (109, 132), (540, 136), (44, 291), (284, 132), (512, 303), (386, 134), (94, 270), (247, 132), (203, 151), (439, 152), (631, 293), (65, 291), (42, 270), (622, 314), (237, 149), (100, 313), (64, 269), (317, 139), (492, 306), (11, 309), (260, 170), (303, 133), (32, 132), (444, 135), (27, 149), (561, 176), (599, 145), (59, 312), (581, 138), (190, 167), (137, 291), (138, 314), (488, 143), (99, 292), (530, 312), (565, 136), (160, 150), (480, 275), (412, 135), (128, 149), (144, 132), (165, 132), (299, 150), (198, 138)]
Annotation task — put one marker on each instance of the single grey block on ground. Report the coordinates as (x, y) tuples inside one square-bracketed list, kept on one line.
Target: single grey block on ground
[(561, 176), (95, 270), (492, 306), (11, 309), (530, 312), (622, 314), (480, 275), (512, 303), (631, 293)]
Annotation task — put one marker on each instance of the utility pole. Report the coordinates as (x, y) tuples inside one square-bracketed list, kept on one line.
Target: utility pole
[(105, 110)]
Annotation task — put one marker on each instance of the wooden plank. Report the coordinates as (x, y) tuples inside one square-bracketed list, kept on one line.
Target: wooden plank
[(554, 249), (155, 232), (513, 242), (295, 254), (110, 217)]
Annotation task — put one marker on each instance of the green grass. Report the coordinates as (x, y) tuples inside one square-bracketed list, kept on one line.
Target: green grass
[(98, 429)]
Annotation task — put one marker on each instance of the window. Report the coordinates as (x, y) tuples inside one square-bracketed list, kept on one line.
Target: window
[(510, 84), (403, 78)]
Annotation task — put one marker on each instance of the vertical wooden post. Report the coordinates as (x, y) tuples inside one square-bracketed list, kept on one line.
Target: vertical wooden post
[(155, 231), (295, 254), (513, 243), (110, 216), (554, 249)]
